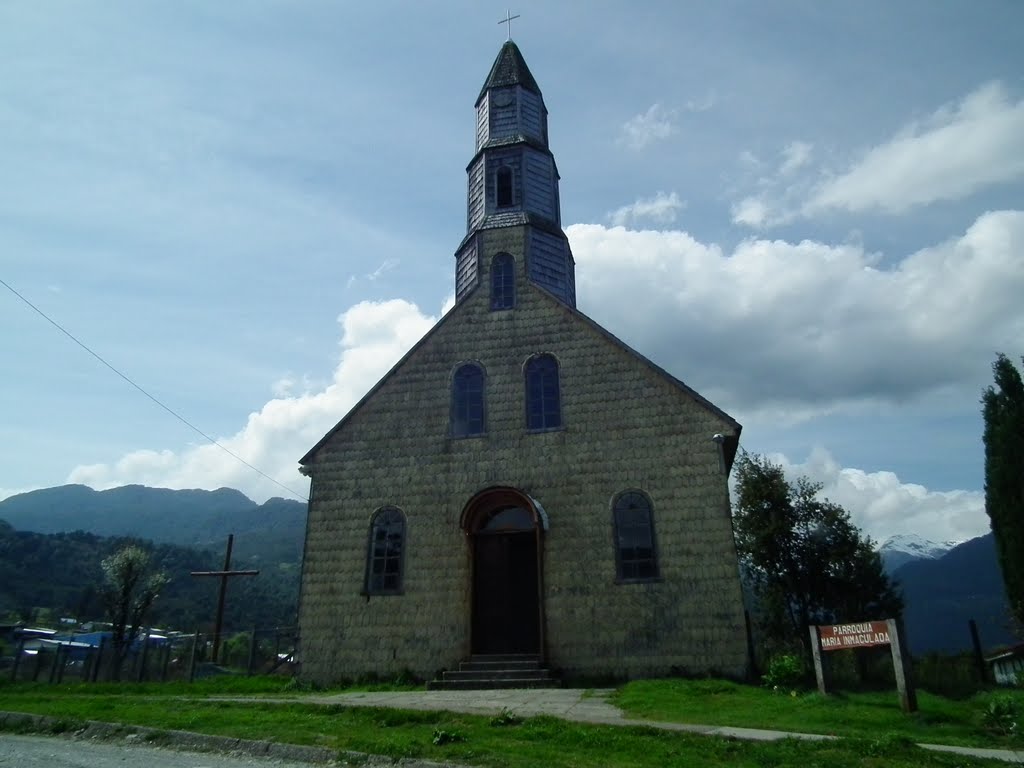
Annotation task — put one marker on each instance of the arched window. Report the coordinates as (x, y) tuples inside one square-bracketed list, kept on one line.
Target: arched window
[(635, 556), (467, 416), (503, 282), (504, 195), (385, 551), (543, 410)]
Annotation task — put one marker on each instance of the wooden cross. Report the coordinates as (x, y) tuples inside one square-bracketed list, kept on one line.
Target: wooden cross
[(508, 20), (225, 573)]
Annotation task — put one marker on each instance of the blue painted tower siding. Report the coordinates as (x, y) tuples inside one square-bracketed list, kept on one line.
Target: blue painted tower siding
[(512, 132), (466, 269), (551, 265), (475, 206), (533, 116), (525, 115), (539, 196), (504, 120), (496, 159), (481, 124)]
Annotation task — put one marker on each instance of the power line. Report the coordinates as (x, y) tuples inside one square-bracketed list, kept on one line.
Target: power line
[(171, 411)]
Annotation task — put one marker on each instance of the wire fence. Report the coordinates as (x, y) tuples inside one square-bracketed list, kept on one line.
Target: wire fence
[(154, 657)]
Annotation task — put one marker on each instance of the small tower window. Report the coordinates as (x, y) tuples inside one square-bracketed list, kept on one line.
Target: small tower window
[(503, 184), (468, 401), (635, 556), (543, 409), (385, 551), (503, 282)]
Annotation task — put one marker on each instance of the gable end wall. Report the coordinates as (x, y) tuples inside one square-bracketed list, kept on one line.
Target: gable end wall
[(626, 427)]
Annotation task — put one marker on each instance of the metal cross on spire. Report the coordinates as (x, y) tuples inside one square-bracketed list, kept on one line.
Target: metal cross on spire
[(508, 20)]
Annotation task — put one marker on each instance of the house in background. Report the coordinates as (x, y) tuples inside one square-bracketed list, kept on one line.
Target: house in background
[(522, 484), (1008, 666)]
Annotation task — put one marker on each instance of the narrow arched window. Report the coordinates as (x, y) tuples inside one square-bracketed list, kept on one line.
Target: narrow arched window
[(503, 282), (543, 409), (504, 194), (467, 416), (635, 556), (385, 552)]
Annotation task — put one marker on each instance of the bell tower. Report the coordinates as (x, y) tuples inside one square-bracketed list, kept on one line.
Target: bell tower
[(513, 185)]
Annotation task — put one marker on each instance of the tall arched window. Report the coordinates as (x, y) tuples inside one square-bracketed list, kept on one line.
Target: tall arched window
[(504, 193), (467, 417), (503, 282), (385, 552), (543, 409), (635, 556)]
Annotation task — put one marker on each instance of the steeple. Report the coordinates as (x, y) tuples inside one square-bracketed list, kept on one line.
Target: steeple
[(513, 186)]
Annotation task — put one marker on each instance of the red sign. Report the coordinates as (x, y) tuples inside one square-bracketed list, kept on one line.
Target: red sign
[(838, 637)]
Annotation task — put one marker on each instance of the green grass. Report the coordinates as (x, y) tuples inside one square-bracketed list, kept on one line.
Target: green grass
[(485, 741), (859, 715)]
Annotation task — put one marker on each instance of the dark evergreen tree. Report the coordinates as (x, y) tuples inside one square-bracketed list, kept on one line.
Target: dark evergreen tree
[(1003, 409), (805, 562)]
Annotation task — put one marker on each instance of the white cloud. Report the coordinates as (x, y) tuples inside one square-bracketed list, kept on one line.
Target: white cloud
[(661, 209), (653, 125), (795, 155), (374, 336), (809, 327), (882, 505), (750, 212), (960, 149)]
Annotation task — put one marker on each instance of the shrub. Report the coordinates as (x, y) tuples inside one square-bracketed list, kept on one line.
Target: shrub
[(1001, 716), (785, 671)]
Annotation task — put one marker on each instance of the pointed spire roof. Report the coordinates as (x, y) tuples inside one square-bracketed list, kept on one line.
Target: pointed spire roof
[(509, 69)]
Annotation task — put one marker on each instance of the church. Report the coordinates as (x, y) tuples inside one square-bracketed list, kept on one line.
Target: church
[(522, 484)]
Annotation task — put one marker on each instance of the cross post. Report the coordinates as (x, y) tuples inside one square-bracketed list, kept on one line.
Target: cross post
[(224, 574), (508, 20)]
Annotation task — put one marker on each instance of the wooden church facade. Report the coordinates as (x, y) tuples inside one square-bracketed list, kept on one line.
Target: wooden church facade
[(521, 481)]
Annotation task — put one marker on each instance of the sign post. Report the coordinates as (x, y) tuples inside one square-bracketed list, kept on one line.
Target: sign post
[(840, 637)]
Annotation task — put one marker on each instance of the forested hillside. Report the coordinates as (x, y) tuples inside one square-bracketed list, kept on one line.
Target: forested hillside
[(52, 542)]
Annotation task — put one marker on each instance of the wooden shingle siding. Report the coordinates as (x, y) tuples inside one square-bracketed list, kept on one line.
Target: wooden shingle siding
[(539, 192), (466, 269), (549, 264), (475, 202), (496, 159), (481, 124), (532, 115), (396, 450), (504, 122)]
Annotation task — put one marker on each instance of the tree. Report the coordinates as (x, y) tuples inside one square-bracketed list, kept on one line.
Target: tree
[(803, 558), (1003, 410), (128, 593)]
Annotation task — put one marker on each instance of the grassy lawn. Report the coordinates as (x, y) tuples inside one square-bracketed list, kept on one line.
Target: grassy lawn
[(859, 715), (441, 736)]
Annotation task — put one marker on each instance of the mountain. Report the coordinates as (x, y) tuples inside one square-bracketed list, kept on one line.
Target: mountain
[(270, 532), (942, 594), (901, 549), (54, 539)]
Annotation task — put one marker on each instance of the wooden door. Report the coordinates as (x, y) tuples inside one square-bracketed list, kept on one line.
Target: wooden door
[(506, 613)]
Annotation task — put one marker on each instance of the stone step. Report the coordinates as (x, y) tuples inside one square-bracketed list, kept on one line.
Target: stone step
[(472, 666), (497, 674), (507, 670), (504, 657), (485, 685)]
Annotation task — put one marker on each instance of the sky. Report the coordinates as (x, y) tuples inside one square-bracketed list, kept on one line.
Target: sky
[(811, 213)]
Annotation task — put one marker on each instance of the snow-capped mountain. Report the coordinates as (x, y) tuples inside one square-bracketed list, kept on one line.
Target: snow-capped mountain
[(902, 548)]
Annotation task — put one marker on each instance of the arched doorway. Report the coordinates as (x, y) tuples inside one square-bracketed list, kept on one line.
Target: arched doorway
[(504, 528)]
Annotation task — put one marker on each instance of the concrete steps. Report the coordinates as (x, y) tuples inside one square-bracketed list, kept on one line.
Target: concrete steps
[(483, 672)]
